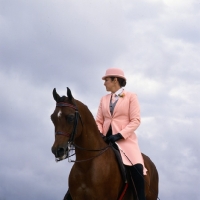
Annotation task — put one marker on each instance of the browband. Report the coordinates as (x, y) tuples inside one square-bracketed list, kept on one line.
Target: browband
[(62, 104)]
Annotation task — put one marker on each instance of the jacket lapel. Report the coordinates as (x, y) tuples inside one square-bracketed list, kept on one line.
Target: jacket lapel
[(117, 106), (108, 103)]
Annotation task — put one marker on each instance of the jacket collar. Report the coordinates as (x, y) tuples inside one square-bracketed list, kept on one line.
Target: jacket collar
[(119, 92), (121, 97)]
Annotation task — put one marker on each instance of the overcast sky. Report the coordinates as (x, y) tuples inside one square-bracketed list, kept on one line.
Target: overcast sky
[(70, 43)]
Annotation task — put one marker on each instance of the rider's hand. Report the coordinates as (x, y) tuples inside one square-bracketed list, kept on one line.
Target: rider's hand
[(114, 138)]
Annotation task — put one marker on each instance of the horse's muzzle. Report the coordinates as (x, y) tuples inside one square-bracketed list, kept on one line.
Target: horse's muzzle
[(60, 153)]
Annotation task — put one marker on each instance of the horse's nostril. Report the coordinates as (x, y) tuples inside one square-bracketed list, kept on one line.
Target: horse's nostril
[(60, 152)]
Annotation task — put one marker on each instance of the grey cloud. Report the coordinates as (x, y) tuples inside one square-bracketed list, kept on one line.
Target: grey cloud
[(47, 44)]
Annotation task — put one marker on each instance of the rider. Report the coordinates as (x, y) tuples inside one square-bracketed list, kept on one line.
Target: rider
[(117, 118)]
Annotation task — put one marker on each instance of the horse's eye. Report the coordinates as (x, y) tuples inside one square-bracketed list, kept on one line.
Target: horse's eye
[(70, 118)]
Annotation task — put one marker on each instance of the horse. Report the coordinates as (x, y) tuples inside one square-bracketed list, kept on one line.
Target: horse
[(95, 174)]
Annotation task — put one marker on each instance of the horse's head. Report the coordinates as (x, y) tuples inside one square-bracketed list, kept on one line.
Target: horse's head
[(67, 122)]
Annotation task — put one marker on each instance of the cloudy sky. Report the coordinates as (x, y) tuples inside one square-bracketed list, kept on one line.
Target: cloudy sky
[(70, 43)]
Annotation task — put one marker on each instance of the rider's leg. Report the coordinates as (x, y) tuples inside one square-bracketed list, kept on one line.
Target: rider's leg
[(138, 179)]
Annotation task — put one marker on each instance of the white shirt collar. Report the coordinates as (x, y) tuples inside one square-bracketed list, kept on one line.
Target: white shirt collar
[(119, 91)]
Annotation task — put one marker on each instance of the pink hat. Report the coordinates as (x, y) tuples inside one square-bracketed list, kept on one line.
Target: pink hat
[(116, 72)]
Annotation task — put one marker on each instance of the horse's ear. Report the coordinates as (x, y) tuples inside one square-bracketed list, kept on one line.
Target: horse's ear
[(69, 94), (55, 95)]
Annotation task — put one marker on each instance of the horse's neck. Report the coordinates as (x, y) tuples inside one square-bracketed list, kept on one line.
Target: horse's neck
[(90, 137)]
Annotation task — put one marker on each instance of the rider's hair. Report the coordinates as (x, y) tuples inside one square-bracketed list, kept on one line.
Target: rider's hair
[(122, 82)]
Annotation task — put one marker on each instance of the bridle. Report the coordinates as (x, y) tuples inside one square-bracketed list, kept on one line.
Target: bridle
[(70, 143), (77, 116)]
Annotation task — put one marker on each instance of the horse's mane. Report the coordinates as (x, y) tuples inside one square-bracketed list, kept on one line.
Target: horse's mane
[(82, 108), (85, 109), (63, 99), (88, 116)]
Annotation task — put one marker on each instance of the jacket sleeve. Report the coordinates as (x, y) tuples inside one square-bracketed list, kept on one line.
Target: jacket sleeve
[(134, 117), (100, 118)]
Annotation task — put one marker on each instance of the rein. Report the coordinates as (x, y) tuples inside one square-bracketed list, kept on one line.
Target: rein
[(72, 134), (102, 151)]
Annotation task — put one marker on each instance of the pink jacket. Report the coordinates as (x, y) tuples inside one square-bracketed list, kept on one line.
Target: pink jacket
[(125, 120)]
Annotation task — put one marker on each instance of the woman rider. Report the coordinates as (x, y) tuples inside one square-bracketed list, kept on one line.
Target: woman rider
[(117, 118)]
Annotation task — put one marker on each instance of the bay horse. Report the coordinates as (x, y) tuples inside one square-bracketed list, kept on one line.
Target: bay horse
[(95, 174)]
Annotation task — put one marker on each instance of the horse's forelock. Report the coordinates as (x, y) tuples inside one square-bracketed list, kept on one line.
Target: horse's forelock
[(62, 99), (65, 99)]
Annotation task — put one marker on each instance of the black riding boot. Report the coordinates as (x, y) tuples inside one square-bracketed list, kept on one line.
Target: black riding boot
[(138, 179)]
